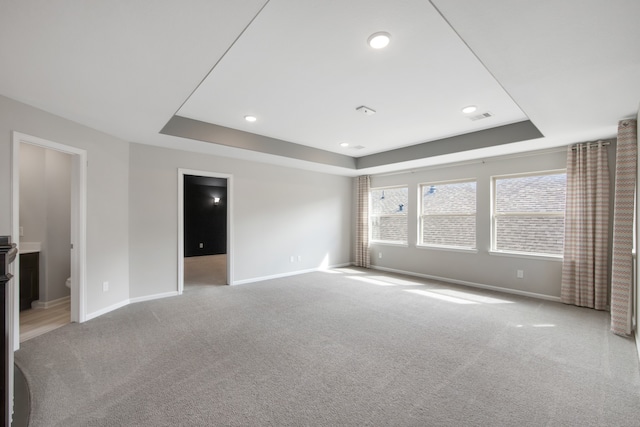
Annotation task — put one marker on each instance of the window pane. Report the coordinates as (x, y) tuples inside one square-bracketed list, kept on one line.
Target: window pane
[(389, 228), (541, 193), (459, 197), (529, 213), (536, 234), (449, 214), (389, 214), (459, 231), (389, 201)]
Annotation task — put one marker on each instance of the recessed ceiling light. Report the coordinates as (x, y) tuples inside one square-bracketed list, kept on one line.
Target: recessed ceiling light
[(469, 109), (379, 40), (344, 144), (250, 118)]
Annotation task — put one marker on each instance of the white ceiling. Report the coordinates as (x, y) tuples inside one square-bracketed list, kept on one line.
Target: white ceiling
[(304, 81), (571, 67)]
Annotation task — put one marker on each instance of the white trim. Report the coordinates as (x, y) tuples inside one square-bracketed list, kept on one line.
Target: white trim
[(230, 198), (389, 243), (532, 173), (532, 255), (291, 273), (153, 297), (180, 232), (130, 301), (52, 303), (107, 309), (78, 223), (447, 248), (471, 284)]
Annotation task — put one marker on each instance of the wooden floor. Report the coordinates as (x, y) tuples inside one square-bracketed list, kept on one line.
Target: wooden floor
[(38, 321), (205, 270)]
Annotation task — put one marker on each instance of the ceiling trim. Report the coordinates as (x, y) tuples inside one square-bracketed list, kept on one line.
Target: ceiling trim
[(515, 132), (207, 132)]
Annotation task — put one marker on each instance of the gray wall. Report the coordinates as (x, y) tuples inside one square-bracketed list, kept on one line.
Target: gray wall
[(107, 201), (58, 248), (277, 213), (45, 214), (541, 276)]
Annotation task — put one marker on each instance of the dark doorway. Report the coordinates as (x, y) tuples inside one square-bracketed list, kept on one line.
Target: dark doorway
[(205, 230)]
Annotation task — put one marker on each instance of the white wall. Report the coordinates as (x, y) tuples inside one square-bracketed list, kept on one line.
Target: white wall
[(107, 187), (45, 213), (277, 212), (541, 276)]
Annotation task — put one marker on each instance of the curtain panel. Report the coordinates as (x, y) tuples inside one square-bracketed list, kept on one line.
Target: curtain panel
[(623, 216), (584, 267), (363, 185)]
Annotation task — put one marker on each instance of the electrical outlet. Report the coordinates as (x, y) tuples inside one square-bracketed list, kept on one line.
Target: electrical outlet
[(105, 286), (201, 245), (292, 258), (299, 258), (379, 255), (520, 274), (21, 231)]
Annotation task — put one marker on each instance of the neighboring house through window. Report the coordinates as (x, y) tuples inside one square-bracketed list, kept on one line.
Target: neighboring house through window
[(388, 214), (528, 213), (448, 214)]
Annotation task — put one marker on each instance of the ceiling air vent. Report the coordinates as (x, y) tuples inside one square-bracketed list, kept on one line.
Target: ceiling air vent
[(481, 116), (366, 110)]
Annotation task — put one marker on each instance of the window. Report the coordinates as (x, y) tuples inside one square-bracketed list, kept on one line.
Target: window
[(389, 214), (448, 214), (528, 213)]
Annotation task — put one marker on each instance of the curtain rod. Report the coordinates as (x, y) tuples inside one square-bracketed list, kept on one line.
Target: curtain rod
[(488, 159), (590, 144)]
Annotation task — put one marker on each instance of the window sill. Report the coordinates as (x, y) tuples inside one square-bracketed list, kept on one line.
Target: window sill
[(527, 255), (382, 242), (447, 248)]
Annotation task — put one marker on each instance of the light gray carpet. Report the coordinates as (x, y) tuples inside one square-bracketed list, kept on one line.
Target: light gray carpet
[(348, 347)]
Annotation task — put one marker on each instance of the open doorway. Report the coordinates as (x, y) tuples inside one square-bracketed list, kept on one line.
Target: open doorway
[(45, 240), (204, 224), (62, 249)]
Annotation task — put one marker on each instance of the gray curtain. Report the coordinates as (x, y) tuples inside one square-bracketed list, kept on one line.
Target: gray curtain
[(362, 221), (622, 247), (584, 267)]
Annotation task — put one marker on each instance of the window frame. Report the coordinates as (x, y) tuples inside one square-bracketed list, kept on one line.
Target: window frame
[(405, 214), (420, 243), (494, 216)]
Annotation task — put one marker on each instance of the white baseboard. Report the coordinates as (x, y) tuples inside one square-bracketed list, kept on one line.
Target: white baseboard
[(53, 303), (129, 301), (471, 284), (107, 309), (290, 273), (152, 297)]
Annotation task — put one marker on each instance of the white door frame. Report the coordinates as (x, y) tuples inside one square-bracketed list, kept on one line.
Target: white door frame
[(181, 173), (78, 226)]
